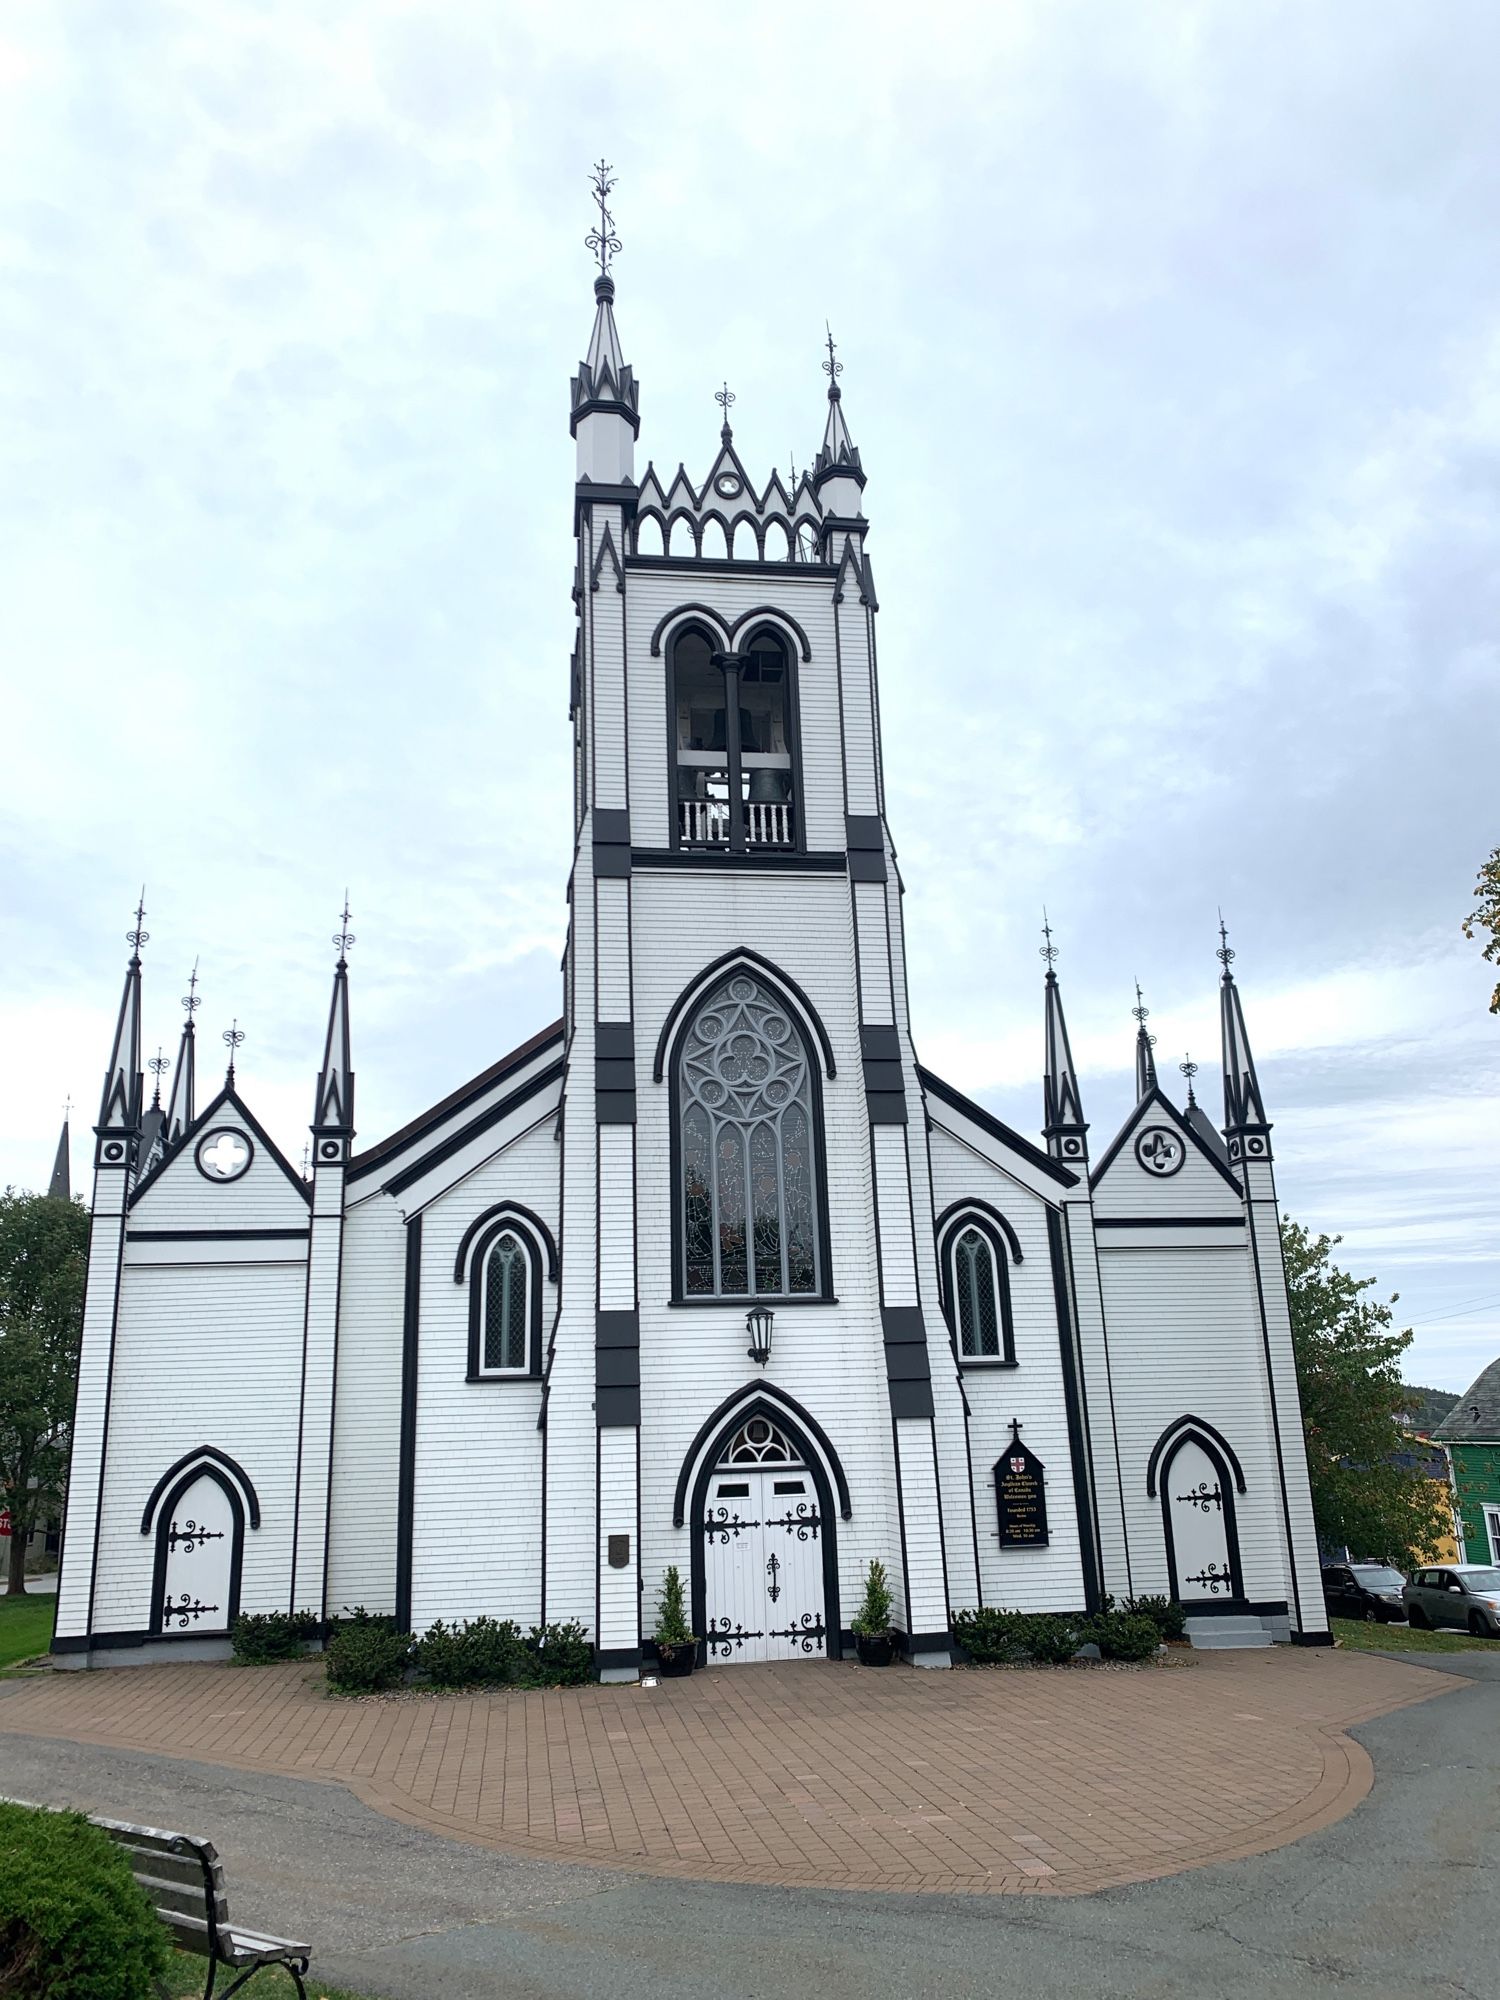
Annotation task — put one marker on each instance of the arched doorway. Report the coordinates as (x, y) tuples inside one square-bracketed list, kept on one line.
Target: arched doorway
[(198, 1512), (764, 1560), (1197, 1504)]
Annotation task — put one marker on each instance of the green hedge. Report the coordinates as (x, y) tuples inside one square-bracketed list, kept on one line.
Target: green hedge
[(366, 1654), (1124, 1635), (259, 1637), (1002, 1638), (1166, 1614), (483, 1652), (73, 1924)]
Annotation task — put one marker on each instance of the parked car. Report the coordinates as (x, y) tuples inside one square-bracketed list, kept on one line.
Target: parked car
[(1364, 1590), (1463, 1594)]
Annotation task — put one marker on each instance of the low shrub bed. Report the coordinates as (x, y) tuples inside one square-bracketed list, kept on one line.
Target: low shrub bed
[(367, 1655), (258, 1637), (1166, 1614), (1123, 1635), (993, 1637), (73, 1924)]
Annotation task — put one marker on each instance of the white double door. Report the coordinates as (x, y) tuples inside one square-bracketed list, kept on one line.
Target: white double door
[(1197, 1507), (763, 1565), (199, 1569)]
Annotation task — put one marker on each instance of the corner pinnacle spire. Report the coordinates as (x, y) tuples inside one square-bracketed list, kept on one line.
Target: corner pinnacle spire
[(1064, 1126), (124, 1085), (60, 1187), (180, 1108), (1145, 1061), (333, 1104), (606, 402), (1246, 1126), (839, 456)]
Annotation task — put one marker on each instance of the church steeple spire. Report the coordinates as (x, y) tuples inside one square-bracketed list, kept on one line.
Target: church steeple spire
[(60, 1187), (333, 1107), (1064, 1127), (606, 417), (1246, 1126), (180, 1108), (121, 1103), (1145, 1061)]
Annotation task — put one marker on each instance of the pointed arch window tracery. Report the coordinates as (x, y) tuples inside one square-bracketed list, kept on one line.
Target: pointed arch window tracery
[(750, 1212)]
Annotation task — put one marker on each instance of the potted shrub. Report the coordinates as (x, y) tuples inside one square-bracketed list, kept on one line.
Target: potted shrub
[(676, 1647), (874, 1640)]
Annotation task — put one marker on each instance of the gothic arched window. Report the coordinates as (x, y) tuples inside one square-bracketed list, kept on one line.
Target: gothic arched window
[(505, 1301), (748, 1211), (976, 1290)]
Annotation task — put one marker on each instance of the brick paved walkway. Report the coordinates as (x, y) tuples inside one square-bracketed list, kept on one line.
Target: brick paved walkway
[(807, 1775)]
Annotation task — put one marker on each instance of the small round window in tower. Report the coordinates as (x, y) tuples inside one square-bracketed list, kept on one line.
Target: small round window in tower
[(223, 1155), (727, 486), (1160, 1151)]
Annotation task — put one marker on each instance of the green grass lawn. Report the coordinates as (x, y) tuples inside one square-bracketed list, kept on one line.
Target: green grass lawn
[(25, 1626), (185, 1981), (1365, 1638)]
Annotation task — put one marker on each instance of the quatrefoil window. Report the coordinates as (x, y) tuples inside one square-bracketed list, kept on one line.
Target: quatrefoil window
[(1159, 1151), (224, 1155)]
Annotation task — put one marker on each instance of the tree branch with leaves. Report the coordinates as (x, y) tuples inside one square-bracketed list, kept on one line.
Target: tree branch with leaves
[(43, 1258), (1485, 916), (1368, 1496)]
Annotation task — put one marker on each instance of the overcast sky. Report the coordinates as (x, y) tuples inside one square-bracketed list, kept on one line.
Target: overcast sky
[(1172, 344)]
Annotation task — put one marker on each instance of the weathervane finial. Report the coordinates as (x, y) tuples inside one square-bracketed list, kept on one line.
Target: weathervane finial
[(1189, 1069), (1139, 1013), (234, 1035), (136, 938), (602, 239), (344, 937), (1047, 951), (725, 399), (190, 999), (1224, 955), (157, 1065), (832, 368)]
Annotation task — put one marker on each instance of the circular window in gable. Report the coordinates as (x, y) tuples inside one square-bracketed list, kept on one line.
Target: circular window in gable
[(1160, 1151), (223, 1154)]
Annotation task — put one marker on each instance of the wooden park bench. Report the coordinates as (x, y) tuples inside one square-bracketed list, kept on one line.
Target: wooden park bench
[(184, 1881)]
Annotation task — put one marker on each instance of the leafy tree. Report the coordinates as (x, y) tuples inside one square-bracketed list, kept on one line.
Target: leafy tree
[(43, 1254), (1486, 915), (1348, 1353)]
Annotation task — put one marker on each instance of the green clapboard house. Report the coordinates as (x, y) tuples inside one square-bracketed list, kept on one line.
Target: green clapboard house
[(1470, 1434)]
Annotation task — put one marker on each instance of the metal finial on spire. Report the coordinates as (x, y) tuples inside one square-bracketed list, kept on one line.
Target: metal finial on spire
[(1139, 1013), (832, 368), (67, 1109), (136, 938), (1189, 1069), (191, 1000), (307, 1159), (602, 239), (345, 937), (1224, 955), (1047, 951), (157, 1065), (234, 1035), (725, 399)]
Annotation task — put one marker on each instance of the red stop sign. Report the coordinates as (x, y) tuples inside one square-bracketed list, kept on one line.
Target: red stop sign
[(4, 1520)]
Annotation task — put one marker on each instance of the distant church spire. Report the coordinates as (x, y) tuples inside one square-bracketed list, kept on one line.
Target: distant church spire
[(180, 1109), (333, 1107), (60, 1187), (120, 1105), (1145, 1061), (606, 402), (839, 457), (1064, 1126), (1245, 1118)]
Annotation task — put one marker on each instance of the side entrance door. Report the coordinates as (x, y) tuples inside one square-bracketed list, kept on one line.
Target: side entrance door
[(1199, 1521), (763, 1553), (198, 1540)]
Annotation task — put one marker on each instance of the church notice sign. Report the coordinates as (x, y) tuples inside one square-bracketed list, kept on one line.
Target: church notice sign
[(1021, 1494)]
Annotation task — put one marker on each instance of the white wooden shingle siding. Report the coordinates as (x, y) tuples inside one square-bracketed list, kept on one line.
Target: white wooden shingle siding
[(252, 1326)]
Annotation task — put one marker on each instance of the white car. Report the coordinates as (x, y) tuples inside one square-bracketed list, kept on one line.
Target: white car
[(1462, 1594)]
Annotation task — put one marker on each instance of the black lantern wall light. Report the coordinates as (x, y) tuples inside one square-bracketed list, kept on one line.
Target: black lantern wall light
[(758, 1325)]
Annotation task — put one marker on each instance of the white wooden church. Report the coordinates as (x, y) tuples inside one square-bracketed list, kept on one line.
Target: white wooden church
[(711, 1271)]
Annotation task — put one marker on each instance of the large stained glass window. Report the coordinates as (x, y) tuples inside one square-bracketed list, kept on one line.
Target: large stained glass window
[(749, 1186)]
